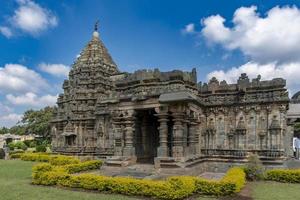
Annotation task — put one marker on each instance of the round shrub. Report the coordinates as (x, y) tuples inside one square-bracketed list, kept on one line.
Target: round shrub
[(41, 148), (11, 146), (30, 143), (254, 169), (20, 145)]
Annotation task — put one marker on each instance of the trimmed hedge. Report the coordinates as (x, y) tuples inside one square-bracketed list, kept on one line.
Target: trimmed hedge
[(37, 157), (177, 187), (232, 182), (283, 175), (14, 155), (52, 159)]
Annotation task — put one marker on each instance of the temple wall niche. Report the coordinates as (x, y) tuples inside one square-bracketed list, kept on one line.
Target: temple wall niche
[(241, 131), (220, 131), (251, 120)]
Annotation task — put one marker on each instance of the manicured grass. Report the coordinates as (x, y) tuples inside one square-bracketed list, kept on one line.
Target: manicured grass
[(15, 178), (275, 191)]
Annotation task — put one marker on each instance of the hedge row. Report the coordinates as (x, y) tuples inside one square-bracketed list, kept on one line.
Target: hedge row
[(178, 187), (52, 159), (15, 155), (232, 182), (283, 175)]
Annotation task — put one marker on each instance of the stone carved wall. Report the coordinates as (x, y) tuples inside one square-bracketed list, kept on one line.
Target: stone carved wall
[(99, 107)]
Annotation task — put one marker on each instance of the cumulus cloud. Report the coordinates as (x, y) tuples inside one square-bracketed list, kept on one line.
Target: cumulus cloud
[(6, 31), (55, 69), (273, 37), (31, 99), (9, 119), (31, 18), (271, 42), (189, 29), (19, 78), (214, 29), (21, 88)]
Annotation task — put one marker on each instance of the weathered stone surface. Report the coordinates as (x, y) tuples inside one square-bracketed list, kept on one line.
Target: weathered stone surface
[(136, 117)]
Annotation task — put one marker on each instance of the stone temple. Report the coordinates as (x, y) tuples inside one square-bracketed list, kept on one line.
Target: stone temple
[(167, 118)]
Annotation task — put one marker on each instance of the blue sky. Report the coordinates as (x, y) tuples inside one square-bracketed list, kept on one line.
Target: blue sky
[(40, 39)]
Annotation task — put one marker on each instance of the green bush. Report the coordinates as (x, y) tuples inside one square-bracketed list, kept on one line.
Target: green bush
[(177, 187), (41, 148), (52, 159), (283, 175), (62, 160), (83, 166), (232, 182), (61, 170), (254, 169), (39, 157), (172, 188), (30, 143), (11, 146), (16, 154), (17, 145)]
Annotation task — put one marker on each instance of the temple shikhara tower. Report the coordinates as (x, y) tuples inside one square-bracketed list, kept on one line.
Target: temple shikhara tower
[(167, 118)]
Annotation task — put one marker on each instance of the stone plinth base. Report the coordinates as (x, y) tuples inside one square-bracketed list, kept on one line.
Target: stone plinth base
[(120, 161)]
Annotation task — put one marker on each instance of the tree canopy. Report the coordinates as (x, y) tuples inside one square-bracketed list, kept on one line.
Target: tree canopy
[(33, 122)]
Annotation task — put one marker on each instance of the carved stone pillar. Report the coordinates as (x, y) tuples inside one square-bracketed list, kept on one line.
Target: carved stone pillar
[(118, 137), (178, 146), (129, 149), (192, 136), (162, 150)]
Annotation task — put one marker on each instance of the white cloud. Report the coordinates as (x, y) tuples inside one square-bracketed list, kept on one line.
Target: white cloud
[(30, 17), (6, 31), (289, 71), (21, 89), (55, 69), (189, 28), (271, 42), (10, 119), (4, 108), (273, 37), (18, 78), (31, 99), (214, 29)]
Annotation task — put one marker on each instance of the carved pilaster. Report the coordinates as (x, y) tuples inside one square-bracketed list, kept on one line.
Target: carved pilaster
[(129, 148), (162, 150), (178, 147), (192, 136)]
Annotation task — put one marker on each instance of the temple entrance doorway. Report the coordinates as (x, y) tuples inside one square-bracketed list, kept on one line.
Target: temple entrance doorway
[(146, 135)]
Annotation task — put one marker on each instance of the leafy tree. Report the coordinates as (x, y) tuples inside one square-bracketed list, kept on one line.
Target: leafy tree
[(38, 122), (4, 130), (17, 130)]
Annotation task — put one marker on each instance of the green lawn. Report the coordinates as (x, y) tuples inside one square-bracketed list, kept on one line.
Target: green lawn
[(275, 191), (15, 185)]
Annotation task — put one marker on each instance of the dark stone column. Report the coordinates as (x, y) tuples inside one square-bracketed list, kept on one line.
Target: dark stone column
[(178, 145), (162, 150), (192, 136), (129, 148), (118, 136)]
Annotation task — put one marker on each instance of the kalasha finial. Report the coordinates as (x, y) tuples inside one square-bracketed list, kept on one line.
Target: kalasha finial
[(96, 34), (96, 25)]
